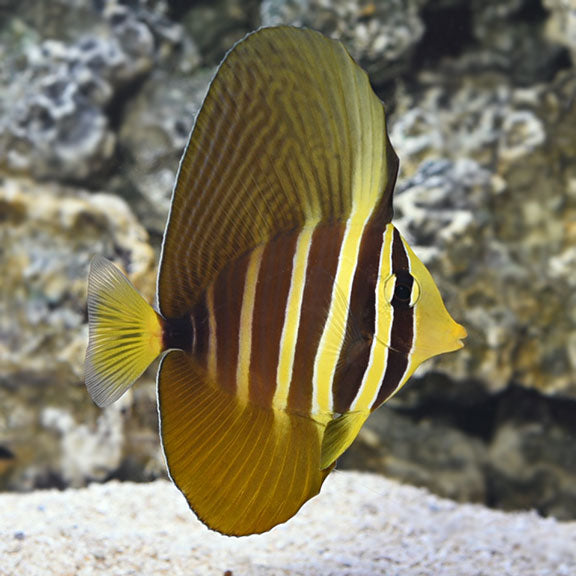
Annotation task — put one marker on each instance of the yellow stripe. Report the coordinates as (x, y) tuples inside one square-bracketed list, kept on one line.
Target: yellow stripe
[(368, 180), (334, 333), (292, 317), (384, 314), (246, 319), (212, 336)]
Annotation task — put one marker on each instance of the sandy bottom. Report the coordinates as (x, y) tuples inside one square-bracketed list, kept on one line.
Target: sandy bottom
[(360, 525)]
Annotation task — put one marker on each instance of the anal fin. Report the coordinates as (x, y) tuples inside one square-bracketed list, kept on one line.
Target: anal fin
[(243, 468)]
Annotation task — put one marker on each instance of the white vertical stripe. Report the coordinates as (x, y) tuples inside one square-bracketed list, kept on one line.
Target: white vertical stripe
[(246, 323), (292, 317)]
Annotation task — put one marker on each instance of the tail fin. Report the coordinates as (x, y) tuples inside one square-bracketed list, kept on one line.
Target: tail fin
[(125, 333)]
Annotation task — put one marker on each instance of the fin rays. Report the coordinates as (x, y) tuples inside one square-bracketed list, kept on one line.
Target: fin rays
[(205, 434), (280, 141), (125, 333)]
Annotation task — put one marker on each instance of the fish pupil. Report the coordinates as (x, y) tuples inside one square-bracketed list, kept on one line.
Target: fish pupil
[(402, 292)]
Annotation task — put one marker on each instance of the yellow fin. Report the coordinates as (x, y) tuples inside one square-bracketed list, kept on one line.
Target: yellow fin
[(243, 469), (290, 133), (340, 433), (125, 333)]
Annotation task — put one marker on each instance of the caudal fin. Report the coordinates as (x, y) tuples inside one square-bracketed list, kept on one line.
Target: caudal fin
[(125, 333)]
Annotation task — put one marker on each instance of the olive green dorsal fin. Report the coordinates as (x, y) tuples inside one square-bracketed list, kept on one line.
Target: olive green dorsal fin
[(290, 133), (242, 468)]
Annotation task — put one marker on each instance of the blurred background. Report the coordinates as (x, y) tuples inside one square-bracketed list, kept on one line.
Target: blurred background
[(97, 98)]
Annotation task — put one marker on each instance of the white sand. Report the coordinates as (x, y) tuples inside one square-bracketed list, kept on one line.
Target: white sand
[(360, 525)]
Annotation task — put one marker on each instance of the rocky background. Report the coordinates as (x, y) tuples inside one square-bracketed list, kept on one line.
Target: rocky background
[(96, 102)]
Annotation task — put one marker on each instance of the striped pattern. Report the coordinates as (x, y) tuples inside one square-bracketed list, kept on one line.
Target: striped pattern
[(291, 318), (314, 313), (303, 324), (246, 320), (401, 337), (332, 340), (393, 337)]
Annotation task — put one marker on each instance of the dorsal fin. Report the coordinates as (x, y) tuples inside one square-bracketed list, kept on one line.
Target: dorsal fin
[(290, 133)]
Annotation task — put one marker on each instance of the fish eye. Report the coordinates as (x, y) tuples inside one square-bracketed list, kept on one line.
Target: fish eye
[(402, 292), (402, 289)]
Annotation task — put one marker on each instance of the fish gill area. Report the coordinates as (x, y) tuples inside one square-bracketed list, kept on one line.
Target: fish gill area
[(96, 102)]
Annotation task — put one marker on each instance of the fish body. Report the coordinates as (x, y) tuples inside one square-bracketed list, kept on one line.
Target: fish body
[(289, 307)]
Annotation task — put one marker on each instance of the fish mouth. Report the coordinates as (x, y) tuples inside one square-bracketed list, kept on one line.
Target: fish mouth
[(460, 334)]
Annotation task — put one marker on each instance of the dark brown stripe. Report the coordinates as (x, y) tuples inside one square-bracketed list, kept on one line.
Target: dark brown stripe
[(395, 369), (269, 310), (320, 274), (402, 332), (403, 323), (201, 325), (228, 294), (361, 322)]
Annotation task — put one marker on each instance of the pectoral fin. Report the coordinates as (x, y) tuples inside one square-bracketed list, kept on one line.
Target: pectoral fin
[(340, 433)]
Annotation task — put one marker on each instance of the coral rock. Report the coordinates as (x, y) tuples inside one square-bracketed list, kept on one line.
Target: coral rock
[(47, 237)]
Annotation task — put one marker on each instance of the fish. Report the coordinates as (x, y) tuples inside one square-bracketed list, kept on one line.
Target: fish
[(288, 306)]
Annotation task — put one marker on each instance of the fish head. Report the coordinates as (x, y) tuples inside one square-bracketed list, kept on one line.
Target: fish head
[(417, 322)]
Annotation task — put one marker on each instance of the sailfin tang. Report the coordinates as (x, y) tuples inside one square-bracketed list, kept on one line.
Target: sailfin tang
[(125, 333), (340, 433), (243, 469), (290, 134)]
